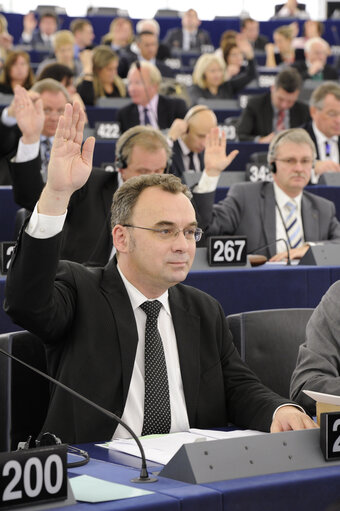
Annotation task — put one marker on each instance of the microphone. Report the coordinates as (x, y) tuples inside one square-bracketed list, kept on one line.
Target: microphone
[(143, 476), (269, 244), (139, 67)]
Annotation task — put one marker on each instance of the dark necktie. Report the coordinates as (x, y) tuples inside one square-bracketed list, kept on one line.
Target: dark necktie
[(191, 161), (45, 157), (146, 117), (327, 149), (157, 413)]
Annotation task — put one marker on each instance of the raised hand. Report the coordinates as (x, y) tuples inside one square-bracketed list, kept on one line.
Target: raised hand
[(29, 114), (215, 157), (70, 164)]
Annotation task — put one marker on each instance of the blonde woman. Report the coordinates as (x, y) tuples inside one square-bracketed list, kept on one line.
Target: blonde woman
[(100, 77), (282, 52), (63, 46), (209, 79)]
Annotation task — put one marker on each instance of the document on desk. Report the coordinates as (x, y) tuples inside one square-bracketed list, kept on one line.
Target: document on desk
[(161, 448)]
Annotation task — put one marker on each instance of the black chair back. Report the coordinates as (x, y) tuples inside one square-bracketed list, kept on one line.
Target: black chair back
[(268, 341)]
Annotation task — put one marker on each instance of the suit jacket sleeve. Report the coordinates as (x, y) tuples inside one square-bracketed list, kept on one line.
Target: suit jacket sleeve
[(319, 357), (27, 182), (248, 127)]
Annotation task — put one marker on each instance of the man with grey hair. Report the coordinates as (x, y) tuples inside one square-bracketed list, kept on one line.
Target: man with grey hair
[(314, 66), (266, 212), (152, 25), (148, 106), (161, 354), (324, 129)]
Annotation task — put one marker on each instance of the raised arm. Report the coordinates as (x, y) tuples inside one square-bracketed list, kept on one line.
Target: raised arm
[(215, 154), (70, 164)]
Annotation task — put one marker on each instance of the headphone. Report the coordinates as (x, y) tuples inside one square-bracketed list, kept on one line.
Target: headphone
[(188, 115), (272, 150), (121, 161)]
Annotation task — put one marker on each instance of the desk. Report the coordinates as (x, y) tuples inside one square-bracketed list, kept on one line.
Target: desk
[(265, 287), (311, 490), (241, 290)]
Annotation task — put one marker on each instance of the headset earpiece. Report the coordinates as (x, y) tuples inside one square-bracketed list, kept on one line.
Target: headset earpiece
[(272, 167)]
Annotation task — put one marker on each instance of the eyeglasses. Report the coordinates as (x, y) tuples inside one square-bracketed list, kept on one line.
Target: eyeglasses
[(305, 162), (190, 233)]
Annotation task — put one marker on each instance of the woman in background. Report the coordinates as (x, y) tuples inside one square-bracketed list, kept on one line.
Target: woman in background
[(63, 45), (210, 78), (16, 71), (282, 52), (100, 77)]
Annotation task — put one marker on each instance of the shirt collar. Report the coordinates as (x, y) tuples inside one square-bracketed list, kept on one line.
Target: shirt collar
[(282, 198), (322, 137), (137, 298), (184, 148)]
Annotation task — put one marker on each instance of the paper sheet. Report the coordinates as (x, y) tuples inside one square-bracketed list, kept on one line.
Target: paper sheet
[(330, 399), (91, 489), (161, 448)]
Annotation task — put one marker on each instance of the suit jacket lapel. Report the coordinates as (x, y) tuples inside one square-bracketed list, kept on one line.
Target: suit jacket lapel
[(116, 293), (310, 220), (268, 216), (187, 329)]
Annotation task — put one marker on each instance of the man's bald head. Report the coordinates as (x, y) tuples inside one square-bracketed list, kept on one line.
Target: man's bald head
[(200, 121)]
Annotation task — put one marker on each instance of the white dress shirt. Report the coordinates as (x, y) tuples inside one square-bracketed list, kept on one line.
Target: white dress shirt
[(152, 108), (281, 201)]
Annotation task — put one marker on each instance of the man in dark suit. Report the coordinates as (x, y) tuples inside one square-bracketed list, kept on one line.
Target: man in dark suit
[(266, 212), (274, 111), (148, 106), (43, 36), (250, 29), (188, 139), (148, 44), (324, 129), (94, 321), (314, 66), (189, 37)]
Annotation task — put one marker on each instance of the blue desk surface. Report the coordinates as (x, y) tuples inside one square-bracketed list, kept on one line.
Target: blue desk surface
[(311, 490)]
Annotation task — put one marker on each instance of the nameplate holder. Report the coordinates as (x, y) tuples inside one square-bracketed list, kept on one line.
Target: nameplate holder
[(6, 251), (227, 251), (107, 130), (233, 458), (330, 435), (322, 255), (33, 476)]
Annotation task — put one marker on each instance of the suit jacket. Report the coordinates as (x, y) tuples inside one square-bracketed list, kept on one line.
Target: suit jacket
[(328, 72), (249, 209), (168, 110), (261, 42), (85, 318), (174, 39), (318, 361), (177, 165), (257, 117), (309, 128), (87, 231)]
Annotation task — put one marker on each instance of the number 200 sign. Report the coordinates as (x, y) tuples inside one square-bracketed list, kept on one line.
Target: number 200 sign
[(227, 250), (33, 475)]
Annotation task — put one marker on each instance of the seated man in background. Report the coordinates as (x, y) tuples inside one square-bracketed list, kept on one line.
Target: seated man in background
[(188, 139), (43, 35), (152, 25), (148, 106), (274, 111), (148, 44), (190, 36), (324, 128), (318, 362), (51, 97), (250, 29), (119, 315), (267, 212), (314, 66), (83, 33)]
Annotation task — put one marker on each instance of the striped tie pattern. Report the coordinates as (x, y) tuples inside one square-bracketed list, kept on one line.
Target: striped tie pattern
[(292, 225), (157, 412)]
